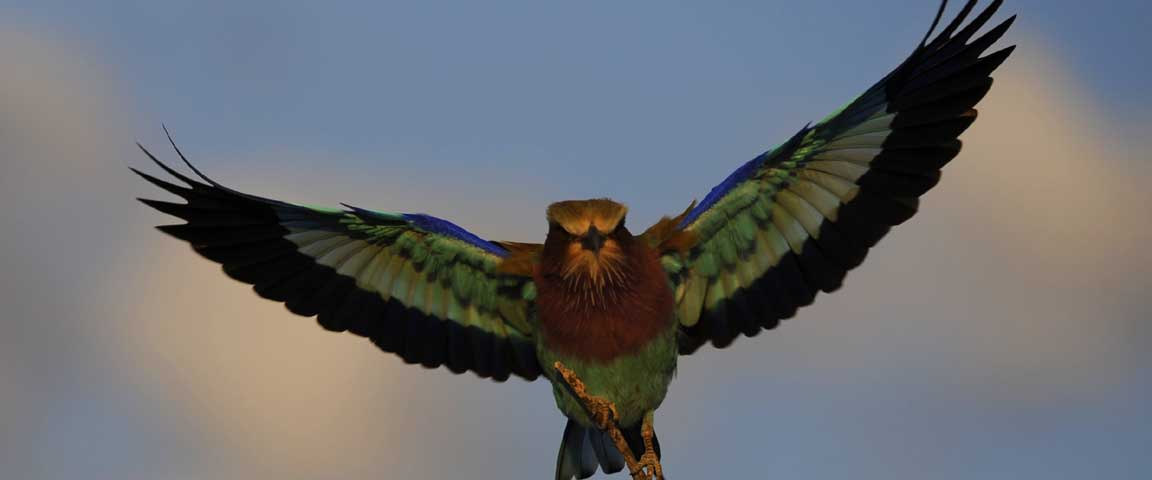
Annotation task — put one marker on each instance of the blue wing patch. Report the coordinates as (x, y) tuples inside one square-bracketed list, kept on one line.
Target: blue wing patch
[(745, 172), (431, 224), (440, 226)]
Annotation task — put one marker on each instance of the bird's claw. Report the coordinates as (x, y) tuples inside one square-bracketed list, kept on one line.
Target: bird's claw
[(604, 412), (648, 467)]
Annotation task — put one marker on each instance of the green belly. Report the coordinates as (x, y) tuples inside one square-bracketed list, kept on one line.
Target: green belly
[(636, 383)]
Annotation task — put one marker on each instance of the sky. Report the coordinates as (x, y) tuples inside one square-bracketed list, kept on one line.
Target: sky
[(1002, 333)]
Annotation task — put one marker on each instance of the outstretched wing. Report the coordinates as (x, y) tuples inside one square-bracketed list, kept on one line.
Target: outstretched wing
[(416, 285), (794, 220)]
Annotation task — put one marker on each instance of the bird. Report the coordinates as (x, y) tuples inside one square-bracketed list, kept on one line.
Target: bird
[(611, 308)]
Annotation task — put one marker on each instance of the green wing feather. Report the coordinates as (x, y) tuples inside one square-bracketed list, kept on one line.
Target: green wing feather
[(795, 219), (415, 285)]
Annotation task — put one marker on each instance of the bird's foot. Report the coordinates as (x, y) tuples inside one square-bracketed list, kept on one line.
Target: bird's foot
[(648, 465), (602, 411)]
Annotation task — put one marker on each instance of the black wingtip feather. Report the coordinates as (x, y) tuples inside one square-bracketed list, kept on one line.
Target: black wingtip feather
[(527, 365), (503, 360), (435, 343), (966, 51), (777, 308), (172, 188), (459, 353), (993, 35), (946, 34), (316, 301), (900, 184), (844, 252), (414, 336), (796, 287), (741, 315), (236, 256), (374, 320), (220, 236), (169, 170), (936, 21), (256, 273), (295, 287), (390, 327), (945, 89), (972, 70), (820, 272), (185, 159), (179, 210), (482, 349), (352, 312), (930, 135), (978, 22), (200, 216)]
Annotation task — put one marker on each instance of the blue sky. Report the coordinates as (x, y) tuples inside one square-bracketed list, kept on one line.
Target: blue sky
[(568, 90), (1000, 334), (591, 85)]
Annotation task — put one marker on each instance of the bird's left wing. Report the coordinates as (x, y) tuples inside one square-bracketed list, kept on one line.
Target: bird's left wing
[(792, 221), (416, 285)]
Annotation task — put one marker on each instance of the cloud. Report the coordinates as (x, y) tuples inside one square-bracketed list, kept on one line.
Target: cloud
[(59, 116), (57, 103)]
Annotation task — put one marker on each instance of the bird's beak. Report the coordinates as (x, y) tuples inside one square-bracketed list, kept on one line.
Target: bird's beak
[(592, 240)]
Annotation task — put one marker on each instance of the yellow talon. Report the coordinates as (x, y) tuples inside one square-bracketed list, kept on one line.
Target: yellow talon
[(603, 412), (649, 461)]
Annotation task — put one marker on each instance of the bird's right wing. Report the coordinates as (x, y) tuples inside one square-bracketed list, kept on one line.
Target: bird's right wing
[(792, 221), (414, 284)]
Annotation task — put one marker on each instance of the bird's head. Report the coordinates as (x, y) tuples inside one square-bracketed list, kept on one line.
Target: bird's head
[(587, 240)]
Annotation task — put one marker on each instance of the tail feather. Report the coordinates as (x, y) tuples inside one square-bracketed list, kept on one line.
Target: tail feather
[(583, 449), (574, 460), (611, 461)]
